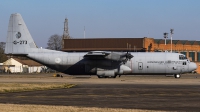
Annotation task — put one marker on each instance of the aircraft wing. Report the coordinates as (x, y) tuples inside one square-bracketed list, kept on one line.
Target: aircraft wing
[(96, 55), (116, 56)]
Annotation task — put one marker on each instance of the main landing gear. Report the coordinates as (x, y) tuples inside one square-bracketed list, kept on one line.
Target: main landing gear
[(100, 76), (177, 76)]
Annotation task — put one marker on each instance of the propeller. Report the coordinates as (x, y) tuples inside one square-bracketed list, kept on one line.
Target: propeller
[(123, 57), (127, 57)]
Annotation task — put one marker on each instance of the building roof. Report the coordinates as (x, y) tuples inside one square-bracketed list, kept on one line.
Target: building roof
[(184, 42), (32, 63), (19, 60), (157, 41), (28, 62), (175, 41), (168, 41), (195, 43)]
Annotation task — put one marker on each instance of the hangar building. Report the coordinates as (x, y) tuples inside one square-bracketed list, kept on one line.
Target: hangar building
[(190, 48)]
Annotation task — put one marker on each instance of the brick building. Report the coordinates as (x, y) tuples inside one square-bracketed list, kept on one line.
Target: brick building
[(190, 48)]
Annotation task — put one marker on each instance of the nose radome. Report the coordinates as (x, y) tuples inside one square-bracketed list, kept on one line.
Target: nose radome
[(192, 66)]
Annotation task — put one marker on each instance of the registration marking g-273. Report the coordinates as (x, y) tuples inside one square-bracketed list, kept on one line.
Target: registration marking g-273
[(20, 42)]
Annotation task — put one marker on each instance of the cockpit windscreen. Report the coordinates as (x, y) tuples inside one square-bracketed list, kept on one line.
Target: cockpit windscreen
[(182, 57)]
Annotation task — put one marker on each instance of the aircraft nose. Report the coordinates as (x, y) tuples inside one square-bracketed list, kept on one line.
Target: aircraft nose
[(192, 66)]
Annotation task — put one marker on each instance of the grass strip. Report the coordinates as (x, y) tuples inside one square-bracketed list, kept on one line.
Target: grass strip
[(22, 87), (49, 108)]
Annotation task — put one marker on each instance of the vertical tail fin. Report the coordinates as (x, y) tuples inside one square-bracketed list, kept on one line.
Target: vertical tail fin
[(19, 40)]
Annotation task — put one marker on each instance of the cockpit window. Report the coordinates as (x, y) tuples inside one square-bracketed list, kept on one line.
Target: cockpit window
[(182, 57), (184, 63)]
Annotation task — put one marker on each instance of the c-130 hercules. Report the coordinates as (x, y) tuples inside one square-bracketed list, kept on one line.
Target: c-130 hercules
[(101, 63)]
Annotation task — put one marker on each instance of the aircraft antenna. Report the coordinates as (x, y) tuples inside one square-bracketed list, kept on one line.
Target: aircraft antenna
[(171, 32)]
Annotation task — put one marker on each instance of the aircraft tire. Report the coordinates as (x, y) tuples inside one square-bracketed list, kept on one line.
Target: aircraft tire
[(177, 76), (106, 76), (113, 76), (100, 76)]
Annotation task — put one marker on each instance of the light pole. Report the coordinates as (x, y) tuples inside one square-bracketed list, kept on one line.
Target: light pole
[(171, 32), (165, 36)]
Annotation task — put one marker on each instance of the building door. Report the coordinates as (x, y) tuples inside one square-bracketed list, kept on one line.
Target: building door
[(140, 65)]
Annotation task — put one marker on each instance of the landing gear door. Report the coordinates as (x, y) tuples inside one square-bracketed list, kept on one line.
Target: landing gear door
[(140, 65)]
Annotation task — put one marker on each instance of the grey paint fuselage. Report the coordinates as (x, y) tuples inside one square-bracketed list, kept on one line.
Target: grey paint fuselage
[(141, 63)]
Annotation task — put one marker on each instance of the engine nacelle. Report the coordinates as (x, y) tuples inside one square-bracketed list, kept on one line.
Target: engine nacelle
[(124, 70), (111, 73), (106, 73)]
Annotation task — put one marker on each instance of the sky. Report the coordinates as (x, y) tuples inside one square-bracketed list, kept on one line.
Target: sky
[(104, 18)]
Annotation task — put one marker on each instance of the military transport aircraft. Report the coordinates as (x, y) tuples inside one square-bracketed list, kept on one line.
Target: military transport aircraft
[(101, 63)]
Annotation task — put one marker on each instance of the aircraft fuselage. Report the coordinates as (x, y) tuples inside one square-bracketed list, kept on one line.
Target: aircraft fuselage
[(141, 63)]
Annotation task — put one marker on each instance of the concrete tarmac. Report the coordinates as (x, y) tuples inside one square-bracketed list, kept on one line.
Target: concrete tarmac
[(129, 92)]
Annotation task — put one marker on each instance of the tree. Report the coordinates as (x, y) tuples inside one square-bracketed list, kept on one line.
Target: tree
[(55, 42), (3, 57), (2, 46)]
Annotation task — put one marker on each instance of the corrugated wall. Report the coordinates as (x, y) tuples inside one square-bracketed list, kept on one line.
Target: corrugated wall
[(198, 56), (192, 55), (118, 44)]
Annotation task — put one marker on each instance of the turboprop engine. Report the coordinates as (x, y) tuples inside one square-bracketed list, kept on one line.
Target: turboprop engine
[(103, 73)]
